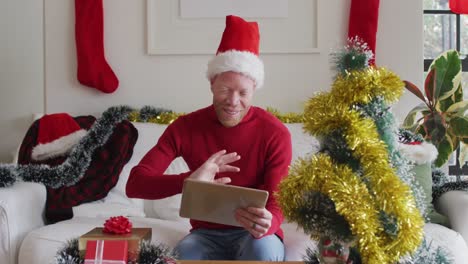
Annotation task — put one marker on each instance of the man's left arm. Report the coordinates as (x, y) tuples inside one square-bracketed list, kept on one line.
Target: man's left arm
[(278, 159), (266, 221)]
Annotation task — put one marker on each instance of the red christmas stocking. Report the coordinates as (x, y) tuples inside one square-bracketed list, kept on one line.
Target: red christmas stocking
[(93, 70), (363, 21), (459, 6)]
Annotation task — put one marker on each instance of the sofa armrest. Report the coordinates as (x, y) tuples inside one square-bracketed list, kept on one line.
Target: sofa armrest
[(21, 210), (454, 205)]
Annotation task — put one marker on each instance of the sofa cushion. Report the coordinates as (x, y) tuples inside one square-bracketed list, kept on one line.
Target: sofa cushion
[(452, 242), (148, 135), (303, 144), (168, 209)]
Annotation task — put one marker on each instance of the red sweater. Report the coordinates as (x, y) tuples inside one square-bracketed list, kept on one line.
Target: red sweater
[(262, 141)]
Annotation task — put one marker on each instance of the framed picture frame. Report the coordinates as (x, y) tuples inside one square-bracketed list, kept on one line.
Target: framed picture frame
[(171, 33)]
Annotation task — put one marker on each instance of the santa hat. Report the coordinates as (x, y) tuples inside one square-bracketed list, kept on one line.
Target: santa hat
[(419, 152), (57, 135), (238, 51)]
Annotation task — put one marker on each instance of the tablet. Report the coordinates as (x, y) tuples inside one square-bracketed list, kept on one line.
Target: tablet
[(216, 203)]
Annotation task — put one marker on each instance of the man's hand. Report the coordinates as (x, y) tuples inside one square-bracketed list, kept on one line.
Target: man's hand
[(218, 162), (256, 220)]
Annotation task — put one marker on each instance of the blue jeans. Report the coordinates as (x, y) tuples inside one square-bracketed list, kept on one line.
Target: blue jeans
[(231, 244)]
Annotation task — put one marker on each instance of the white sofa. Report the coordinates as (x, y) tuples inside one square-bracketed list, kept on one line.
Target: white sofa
[(24, 238)]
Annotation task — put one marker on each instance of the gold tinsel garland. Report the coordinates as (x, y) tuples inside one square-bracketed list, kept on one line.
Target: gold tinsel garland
[(162, 118), (169, 117), (328, 112), (287, 118)]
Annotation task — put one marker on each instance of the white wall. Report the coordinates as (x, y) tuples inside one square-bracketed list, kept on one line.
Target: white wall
[(21, 70), (400, 46), (173, 82)]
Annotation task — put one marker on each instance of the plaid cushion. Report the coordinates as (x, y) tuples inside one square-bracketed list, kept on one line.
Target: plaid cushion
[(100, 177)]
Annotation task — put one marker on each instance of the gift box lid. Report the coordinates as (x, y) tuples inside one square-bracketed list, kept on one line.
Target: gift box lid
[(137, 234)]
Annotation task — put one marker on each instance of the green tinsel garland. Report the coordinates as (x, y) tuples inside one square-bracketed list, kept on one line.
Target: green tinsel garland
[(149, 254), (73, 168)]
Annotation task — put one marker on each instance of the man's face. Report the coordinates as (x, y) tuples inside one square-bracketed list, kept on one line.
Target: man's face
[(232, 96)]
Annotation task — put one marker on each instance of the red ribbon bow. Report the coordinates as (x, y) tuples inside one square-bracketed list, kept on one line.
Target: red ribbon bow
[(117, 225)]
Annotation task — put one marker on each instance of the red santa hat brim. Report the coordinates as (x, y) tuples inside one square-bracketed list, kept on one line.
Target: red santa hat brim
[(243, 62), (58, 147)]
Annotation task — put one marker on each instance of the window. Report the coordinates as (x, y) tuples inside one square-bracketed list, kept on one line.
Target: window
[(445, 30)]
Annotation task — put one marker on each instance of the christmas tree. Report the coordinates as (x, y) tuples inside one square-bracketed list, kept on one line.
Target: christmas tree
[(358, 190)]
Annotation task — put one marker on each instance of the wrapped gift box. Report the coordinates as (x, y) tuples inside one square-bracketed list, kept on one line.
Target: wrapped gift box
[(106, 252), (134, 239)]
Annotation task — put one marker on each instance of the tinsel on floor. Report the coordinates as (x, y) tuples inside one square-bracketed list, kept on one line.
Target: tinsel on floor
[(149, 254)]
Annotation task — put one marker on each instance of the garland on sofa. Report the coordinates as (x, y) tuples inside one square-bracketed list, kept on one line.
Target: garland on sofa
[(149, 254), (73, 168), (359, 175), (442, 184)]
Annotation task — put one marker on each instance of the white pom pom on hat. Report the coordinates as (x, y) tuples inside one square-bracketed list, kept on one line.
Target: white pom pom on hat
[(238, 51), (419, 153)]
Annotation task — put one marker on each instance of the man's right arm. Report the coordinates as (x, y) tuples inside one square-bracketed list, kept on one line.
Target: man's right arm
[(147, 180)]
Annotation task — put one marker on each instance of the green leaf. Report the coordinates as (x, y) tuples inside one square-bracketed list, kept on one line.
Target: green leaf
[(445, 149), (458, 109), (458, 95), (410, 118), (448, 71), (459, 126), (434, 125)]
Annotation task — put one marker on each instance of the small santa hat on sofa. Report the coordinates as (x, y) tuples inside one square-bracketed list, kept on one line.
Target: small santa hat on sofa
[(57, 135), (419, 152), (238, 51)]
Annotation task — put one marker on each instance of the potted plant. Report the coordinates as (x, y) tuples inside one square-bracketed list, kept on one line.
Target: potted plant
[(443, 120)]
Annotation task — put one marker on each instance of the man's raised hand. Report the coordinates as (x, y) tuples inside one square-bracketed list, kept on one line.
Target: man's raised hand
[(218, 162)]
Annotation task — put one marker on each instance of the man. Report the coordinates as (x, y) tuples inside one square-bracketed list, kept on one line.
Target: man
[(229, 142)]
